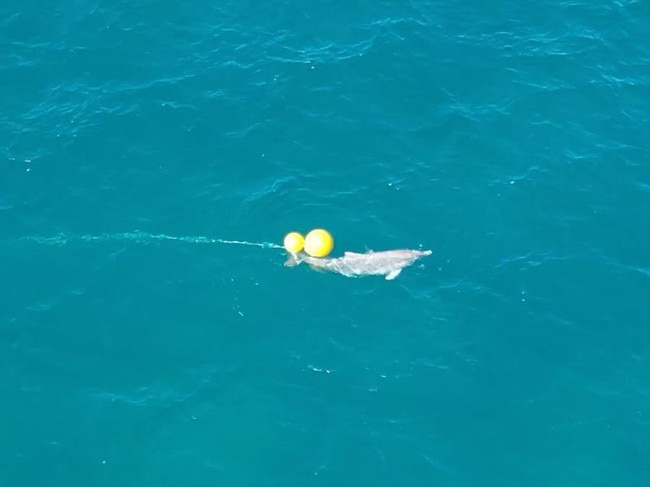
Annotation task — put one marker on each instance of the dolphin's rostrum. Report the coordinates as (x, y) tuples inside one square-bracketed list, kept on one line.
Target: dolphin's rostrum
[(388, 263)]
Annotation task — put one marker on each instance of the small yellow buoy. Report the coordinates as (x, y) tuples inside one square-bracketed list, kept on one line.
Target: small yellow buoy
[(319, 243), (294, 242)]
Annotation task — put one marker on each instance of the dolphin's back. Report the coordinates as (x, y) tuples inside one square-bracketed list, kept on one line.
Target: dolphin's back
[(388, 263)]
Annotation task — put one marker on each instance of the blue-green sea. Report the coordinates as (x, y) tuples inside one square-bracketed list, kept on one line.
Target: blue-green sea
[(154, 154)]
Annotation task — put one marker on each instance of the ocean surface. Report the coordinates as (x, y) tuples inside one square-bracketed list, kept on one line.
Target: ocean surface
[(154, 154)]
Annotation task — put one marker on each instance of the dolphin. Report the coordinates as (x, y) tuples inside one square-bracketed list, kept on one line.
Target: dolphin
[(387, 263)]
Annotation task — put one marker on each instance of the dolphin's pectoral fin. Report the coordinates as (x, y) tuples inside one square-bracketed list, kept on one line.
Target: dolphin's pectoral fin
[(393, 274)]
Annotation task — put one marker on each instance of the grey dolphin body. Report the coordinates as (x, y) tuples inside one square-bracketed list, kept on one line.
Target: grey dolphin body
[(388, 263)]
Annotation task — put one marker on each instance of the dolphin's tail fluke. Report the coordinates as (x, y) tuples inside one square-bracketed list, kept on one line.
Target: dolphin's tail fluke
[(291, 261)]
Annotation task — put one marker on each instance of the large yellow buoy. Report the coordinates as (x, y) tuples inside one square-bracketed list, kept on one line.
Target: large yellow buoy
[(294, 242), (319, 243)]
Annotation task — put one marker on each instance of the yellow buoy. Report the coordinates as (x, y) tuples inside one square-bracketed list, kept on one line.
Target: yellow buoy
[(294, 242), (319, 243)]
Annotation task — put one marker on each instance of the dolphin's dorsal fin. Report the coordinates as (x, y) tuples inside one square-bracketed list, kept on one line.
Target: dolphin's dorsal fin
[(393, 274)]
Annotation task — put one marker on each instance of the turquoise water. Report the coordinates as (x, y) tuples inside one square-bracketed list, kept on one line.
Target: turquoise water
[(154, 154)]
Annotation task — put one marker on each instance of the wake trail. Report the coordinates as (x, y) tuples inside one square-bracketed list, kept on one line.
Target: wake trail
[(63, 239)]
